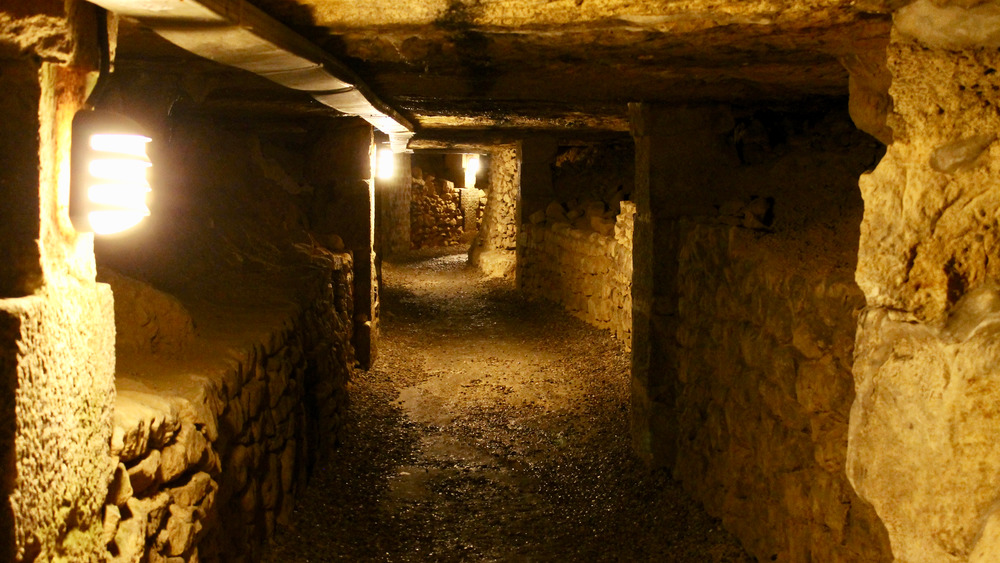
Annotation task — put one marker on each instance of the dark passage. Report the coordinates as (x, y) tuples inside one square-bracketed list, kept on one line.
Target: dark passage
[(491, 429)]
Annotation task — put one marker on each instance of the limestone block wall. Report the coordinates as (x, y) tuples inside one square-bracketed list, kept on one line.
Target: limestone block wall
[(765, 331), (493, 250), (586, 271), (211, 457)]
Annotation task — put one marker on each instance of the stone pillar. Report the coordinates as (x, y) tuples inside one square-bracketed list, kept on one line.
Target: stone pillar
[(493, 249), (392, 226), (56, 324), (537, 155), (341, 168), (677, 150), (923, 444)]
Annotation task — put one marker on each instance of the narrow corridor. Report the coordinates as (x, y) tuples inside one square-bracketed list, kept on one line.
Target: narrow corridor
[(491, 429)]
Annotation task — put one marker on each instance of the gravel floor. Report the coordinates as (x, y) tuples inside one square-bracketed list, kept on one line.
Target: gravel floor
[(492, 429)]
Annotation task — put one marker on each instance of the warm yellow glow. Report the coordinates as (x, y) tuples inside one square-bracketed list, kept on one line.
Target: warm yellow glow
[(107, 222), (132, 145), (126, 196), (386, 164), (109, 184), (471, 165), (119, 169)]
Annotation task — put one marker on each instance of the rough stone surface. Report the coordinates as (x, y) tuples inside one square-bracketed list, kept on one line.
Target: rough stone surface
[(587, 271), (64, 341), (195, 482), (765, 391), (469, 65), (742, 392), (493, 250), (56, 324), (392, 228), (922, 445), (437, 216), (492, 429), (158, 322)]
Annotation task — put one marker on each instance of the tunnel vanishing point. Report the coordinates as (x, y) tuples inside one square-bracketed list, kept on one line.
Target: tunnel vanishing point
[(783, 207)]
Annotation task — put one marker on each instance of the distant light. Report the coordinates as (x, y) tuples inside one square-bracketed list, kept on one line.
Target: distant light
[(386, 164), (109, 184), (471, 164)]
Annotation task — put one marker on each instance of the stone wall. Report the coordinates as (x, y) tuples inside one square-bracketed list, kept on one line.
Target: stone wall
[(493, 250), (923, 441), (765, 336), (745, 241), (211, 455), (56, 325), (436, 213), (588, 271)]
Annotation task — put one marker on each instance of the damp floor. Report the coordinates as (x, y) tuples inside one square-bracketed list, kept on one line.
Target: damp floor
[(491, 429)]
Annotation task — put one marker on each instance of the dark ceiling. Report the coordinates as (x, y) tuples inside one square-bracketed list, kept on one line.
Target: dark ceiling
[(482, 66)]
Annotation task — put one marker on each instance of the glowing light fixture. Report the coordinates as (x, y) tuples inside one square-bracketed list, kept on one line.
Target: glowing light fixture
[(386, 164), (108, 186), (470, 162)]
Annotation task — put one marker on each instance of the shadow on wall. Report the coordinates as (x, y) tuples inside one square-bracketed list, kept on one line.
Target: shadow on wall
[(754, 316)]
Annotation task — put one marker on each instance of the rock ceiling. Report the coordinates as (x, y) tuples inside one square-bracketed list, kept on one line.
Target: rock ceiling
[(458, 67)]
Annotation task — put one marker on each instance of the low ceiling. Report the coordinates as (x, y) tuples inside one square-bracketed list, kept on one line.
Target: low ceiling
[(463, 68)]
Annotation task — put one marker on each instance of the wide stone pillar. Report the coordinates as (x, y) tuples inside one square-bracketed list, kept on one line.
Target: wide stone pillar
[(677, 150), (924, 442), (56, 324), (341, 168)]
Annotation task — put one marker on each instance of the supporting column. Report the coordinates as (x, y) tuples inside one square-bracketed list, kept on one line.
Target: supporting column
[(493, 250), (537, 155), (392, 211), (677, 150), (341, 168), (56, 323), (923, 445)]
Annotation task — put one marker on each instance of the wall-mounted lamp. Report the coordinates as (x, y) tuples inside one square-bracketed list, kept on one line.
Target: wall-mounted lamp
[(386, 164), (108, 183), (470, 162)]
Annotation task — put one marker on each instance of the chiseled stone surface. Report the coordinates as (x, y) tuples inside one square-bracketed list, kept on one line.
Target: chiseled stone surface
[(62, 358), (493, 250), (923, 447), (765, 390)]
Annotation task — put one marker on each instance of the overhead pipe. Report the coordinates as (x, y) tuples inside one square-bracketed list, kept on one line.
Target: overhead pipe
[(238, 34)]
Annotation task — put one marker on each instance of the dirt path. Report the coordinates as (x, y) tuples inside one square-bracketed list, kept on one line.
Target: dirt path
[(492, 429)]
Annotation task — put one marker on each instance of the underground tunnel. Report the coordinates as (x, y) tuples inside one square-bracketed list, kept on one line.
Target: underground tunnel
[(500, 281)]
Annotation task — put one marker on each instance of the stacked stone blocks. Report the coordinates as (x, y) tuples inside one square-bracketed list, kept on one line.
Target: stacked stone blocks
[(208, 474), (586, 271), (764, 391)]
